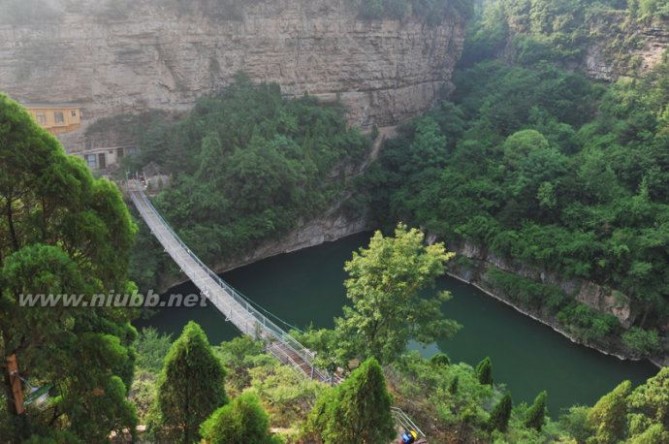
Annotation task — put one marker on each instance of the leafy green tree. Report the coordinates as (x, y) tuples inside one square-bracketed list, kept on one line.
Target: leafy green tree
[(643, 342), (608, 416), (652, 398), (500, 415), (440, 359), (519, 145), (240, 422), (388, 309), (535, 417), (428, 149), (484, 371), (358, 410), (576, 423), (190, 387), (655, 434), (62, 232)]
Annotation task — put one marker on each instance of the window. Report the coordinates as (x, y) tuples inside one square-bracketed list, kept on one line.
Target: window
[(102, 161), (41, 118), (119, 153), (58, 117), (91, 160), (74, 113)]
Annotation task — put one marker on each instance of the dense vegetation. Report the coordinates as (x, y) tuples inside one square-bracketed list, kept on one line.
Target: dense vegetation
[(247, 166), (533, 162), (62, 232), (446, 399), (235, 392), (562, 31), (543, 166)]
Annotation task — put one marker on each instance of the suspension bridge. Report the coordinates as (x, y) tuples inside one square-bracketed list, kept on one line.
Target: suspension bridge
[(236, 307)]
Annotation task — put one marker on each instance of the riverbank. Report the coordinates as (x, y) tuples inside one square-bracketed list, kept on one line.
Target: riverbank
[(553, 324), (312, 234)]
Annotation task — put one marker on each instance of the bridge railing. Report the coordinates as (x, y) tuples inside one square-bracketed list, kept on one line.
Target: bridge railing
[(404, 421), (265, 329)]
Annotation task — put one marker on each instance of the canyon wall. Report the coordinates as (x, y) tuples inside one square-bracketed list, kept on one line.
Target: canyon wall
[(115, 57), (621, 48), (602, 299)]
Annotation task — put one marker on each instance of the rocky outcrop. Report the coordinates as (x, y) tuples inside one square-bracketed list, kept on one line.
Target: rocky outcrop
[(328, 228), (622, 47), (602, 299), (117, 56)]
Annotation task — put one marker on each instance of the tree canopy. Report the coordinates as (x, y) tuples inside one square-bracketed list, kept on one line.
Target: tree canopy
[(385, 283), (538, 165), (240, 422), (62, 232), (358, 410)]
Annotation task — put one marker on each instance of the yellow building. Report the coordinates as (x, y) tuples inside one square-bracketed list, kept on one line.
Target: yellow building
[(57, 119)]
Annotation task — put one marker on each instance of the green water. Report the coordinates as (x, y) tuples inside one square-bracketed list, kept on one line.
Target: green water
[(306, 287)]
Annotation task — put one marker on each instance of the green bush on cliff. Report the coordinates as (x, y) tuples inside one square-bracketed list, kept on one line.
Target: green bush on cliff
[(644, 342)]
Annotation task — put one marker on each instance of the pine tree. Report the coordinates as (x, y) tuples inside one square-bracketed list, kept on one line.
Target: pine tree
[(240, 422), (536, 415), (356, 411), (190, 387), (484, 371), (499, 418)]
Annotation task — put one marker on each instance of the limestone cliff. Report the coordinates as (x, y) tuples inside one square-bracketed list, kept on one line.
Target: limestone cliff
[(602, 299), (120, 56), (619, 47), (479, 266)]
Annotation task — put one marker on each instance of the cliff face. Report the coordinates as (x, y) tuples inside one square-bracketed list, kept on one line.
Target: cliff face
[(604, 300), (624, 49), (120, 56)]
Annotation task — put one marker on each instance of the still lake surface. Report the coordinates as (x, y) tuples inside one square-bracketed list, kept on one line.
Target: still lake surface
[(306, 287)]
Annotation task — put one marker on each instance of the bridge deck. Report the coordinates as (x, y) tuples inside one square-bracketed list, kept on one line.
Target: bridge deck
[(229, 302)]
